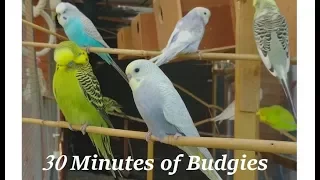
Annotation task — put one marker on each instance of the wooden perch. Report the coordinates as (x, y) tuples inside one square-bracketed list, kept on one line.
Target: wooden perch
[(209, 142), (142, 53)]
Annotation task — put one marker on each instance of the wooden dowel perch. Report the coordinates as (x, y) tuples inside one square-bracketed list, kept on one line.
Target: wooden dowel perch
[(217, 53), (209, 142), (197, 98), (193, 56), (43, 29)]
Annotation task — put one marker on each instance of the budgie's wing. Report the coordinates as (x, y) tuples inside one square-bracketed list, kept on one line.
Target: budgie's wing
[(91, 89), (179, 42), (263, 39), (175, 111), (263, 26), (283, 36), (262, 33), (173, 34), (92, 31), (112, 105)]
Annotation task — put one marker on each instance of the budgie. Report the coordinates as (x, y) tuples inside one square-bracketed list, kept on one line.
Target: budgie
[(186, 36), (78, 95), (278, 118), (229, 112), (271, 36), (162, 108), (82, 31)]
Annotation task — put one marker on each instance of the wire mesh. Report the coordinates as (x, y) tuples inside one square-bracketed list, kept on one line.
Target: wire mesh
[(37, 141)]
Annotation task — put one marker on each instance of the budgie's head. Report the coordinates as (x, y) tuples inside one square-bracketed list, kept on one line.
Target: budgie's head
[(140, 69), (204, 13), (265, 113), (64, 11), (262, 113), (256, 3), (68, 52)]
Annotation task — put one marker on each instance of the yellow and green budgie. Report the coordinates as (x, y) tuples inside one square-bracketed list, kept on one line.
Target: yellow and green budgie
[(78, 95), (278, 118)]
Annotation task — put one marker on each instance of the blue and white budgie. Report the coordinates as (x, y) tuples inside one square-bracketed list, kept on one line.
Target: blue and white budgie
[(162, 108), (271, 35), (82, 31), (186, 36)]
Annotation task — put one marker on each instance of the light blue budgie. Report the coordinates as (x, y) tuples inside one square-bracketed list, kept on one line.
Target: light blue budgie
[(271, 35), (82, 31), (186, 36), (162, 108)]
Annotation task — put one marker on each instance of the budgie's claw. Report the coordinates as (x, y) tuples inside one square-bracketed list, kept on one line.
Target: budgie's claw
[(176, 136), (83, 128), (148, 136), (69, 126), (87, 49), (200, 54)]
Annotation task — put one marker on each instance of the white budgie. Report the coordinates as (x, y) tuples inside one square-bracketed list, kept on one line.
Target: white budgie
[(186, 36), (162, 108), (271, 35)]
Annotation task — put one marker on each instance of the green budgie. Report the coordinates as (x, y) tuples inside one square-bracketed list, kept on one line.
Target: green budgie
[(78, 95), (271, 35), (162, 108), (278, 118)]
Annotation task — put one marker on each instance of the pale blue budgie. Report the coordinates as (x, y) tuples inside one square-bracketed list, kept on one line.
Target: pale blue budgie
[(162, 108), (271, 35), (82, 31), (186, 36)]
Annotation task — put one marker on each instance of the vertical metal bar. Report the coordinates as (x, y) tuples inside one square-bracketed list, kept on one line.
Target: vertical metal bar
[(214, 101)]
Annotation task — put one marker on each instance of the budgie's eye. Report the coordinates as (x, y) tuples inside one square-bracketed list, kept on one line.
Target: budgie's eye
[(136, 70), (205, 13)]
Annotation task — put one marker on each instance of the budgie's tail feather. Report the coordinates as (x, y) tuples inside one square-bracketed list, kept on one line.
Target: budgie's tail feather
[(168, 55), (287, 91), (102, 144), (218, 118), (124, 76), (203, 153), (109, 60)]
